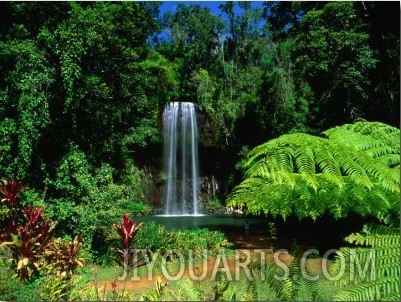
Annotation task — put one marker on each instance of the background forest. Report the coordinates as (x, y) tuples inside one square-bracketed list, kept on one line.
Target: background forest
[(83, 86)]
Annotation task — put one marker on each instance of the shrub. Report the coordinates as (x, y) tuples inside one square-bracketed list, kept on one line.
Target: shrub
[(25, 231), (12, 289), (29, 240), (63, 257), (198, 240), (154, 237), (140, 208), (27, 234), (86, 200), (214, 203)]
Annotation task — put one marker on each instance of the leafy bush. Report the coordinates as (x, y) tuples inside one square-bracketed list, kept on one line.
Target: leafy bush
[(12, 289), (197, 240), (45, 288), (86, 201), (29, 241), (31, 197), (140, 208), (63, 257), (154, 237), (214, 203), (213, 206), (26, 232), (26, 236)]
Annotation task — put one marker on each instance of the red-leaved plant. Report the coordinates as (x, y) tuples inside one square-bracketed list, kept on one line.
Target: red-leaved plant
[(63, 257), (29, 241), (127, 231), (10, 189), (25, 231), (28, 234)]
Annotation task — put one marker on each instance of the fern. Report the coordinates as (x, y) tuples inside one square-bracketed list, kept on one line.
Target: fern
[(354, 167), (294, 287), (183, 289), (386, 135), (378, 256), (251, 292)]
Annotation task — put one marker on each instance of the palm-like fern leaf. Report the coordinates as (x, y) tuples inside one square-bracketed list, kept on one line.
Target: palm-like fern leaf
[(375, 138), (355, 167), (371, 272), (386, 134)]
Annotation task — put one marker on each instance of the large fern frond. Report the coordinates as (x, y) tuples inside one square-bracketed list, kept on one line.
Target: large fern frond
[(375, 138), (350, 169), (372, 270), (377, 130), (293, 285)]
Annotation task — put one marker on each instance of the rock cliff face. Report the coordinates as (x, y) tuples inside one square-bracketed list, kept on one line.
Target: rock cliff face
[(154, 187), (210, 188)]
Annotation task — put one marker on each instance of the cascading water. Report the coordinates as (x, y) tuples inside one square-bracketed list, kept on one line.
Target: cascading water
[(181, 159)]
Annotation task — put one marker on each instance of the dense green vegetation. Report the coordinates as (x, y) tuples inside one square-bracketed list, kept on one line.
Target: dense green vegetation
[(82, 90), (353, 168)]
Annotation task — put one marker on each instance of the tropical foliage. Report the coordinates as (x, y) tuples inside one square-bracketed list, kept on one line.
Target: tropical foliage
[(26, 237), (83, 88), (352, 168), (372, 270), (155, 238), (127, 231)]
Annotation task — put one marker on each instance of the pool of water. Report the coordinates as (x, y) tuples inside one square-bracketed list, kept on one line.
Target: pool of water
[(201, 221)]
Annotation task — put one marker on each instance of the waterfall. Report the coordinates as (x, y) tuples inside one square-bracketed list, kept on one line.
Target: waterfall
[(181, 165)]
